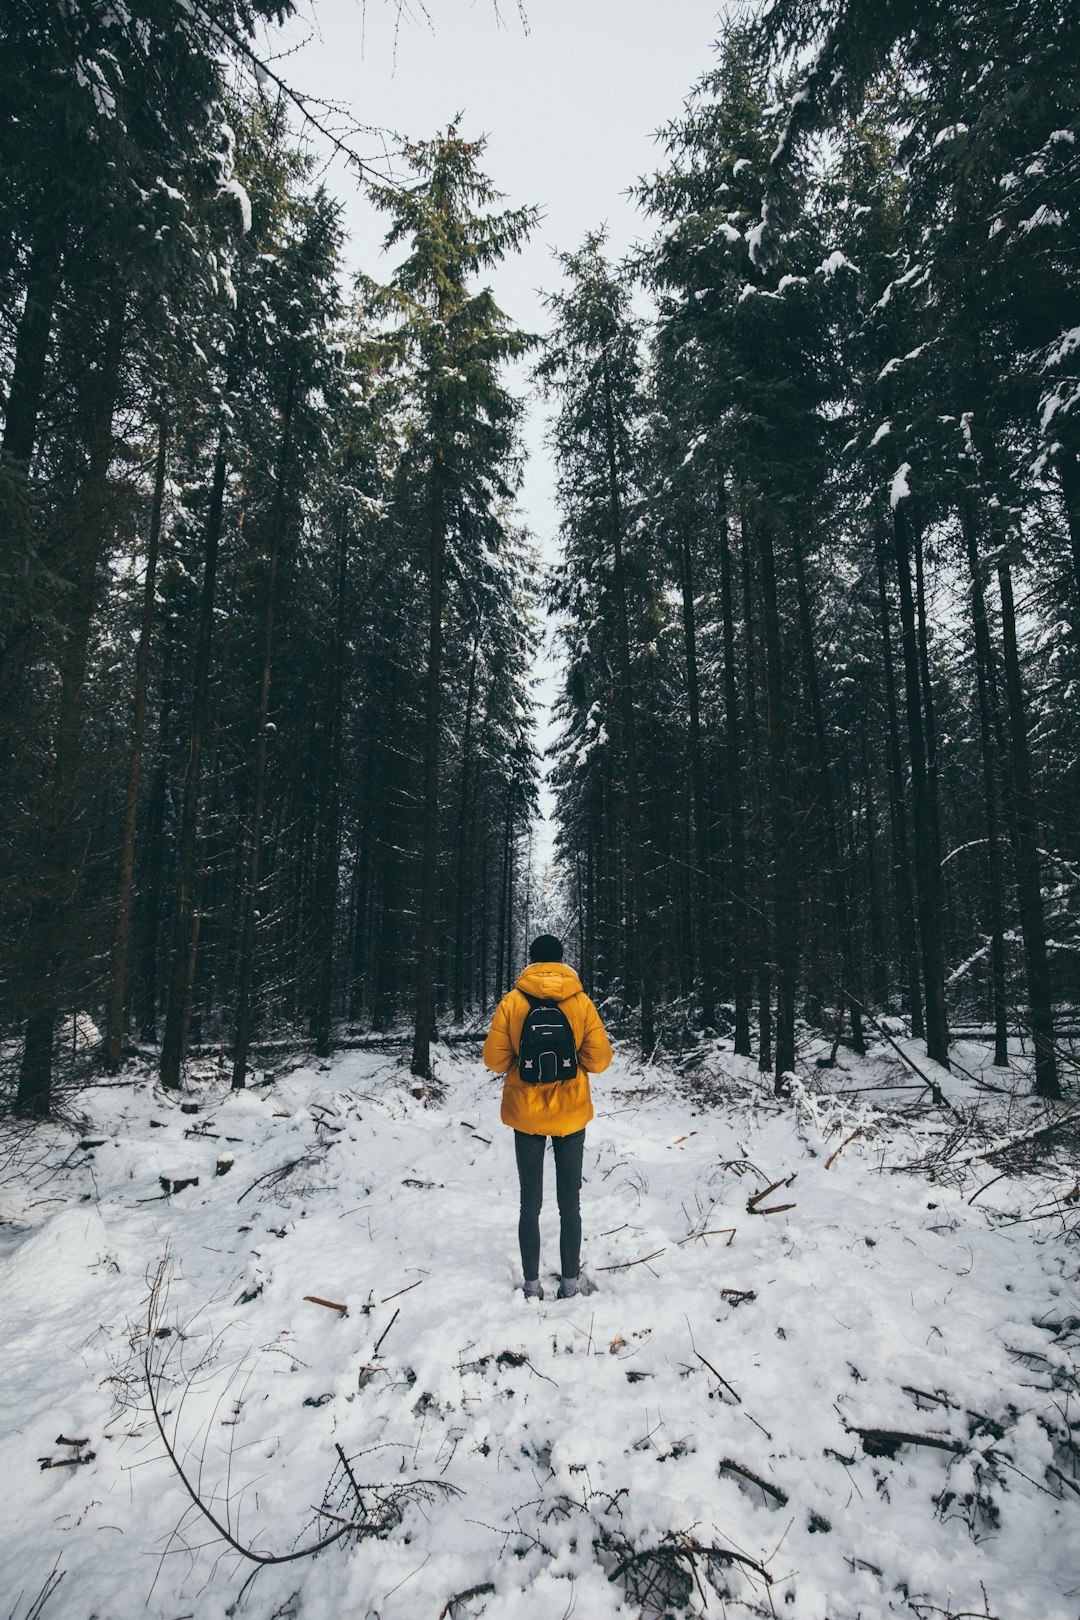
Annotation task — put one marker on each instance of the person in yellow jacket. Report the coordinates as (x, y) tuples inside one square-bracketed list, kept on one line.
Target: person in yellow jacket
[(560, 1109)]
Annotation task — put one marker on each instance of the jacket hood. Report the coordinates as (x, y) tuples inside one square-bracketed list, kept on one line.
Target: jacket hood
[(549, 979)]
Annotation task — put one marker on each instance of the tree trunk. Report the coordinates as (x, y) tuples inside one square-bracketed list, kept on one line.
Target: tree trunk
[(880, 966), (326, 877), (463, 841), (756, 902), (702, 886), (1069, 473), (429, 873), (927, 861), (51, 922), (785, 867), (181, 967), (242, 1037), (738, 898), (633, 797), (152, 856), (1029, 837), (988, 740), (32, 340), (121, 952), (898, 821), (851, 989)]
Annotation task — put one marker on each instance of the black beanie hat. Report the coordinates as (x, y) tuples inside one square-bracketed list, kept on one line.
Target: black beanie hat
[(545, 948)]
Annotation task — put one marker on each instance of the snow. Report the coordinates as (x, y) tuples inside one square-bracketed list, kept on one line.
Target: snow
[(539, 1446), (835, 261), (233, 188), (1043, 216), (881, 433), (898, 489)]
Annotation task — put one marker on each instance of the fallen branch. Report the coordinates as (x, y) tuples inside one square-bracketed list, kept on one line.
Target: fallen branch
[(278, 1174), (755, 1199), (1025, 1137), (719, 1231), (624, 1265), (331, 1305), (719, 1376), (463, 1597), (778, 1496), (931, 1085), (887, 1442), (669, 1554), (401, 1291), (836, 1152), (386, 1330)]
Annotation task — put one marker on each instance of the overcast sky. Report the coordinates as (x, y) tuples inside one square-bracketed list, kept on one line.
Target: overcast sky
[(569, 99)]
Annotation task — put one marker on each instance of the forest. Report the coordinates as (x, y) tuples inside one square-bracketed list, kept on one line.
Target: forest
[(276, 784), (270, 608)]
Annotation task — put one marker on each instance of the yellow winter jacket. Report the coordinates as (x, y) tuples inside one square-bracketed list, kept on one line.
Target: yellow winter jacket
[(564, 1106)]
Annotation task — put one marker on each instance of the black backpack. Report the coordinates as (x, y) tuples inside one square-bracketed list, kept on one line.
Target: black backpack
[(547, 1048)]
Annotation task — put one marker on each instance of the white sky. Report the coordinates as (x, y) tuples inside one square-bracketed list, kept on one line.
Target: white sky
[(569, 100)]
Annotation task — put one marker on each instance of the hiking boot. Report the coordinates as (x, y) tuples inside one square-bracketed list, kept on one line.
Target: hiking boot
[(534, 1290), (569, 1288)]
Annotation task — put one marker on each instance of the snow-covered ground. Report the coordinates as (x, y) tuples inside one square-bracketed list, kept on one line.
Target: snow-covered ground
[(702, 1434)]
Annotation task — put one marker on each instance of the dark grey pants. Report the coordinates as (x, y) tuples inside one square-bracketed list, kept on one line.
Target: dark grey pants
[(569, 1151)]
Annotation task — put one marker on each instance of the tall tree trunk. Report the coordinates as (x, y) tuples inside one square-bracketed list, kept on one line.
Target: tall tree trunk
[(702, 886), (756, 903), (463, 840), (50, 925), (738, 898), (429, 873), (1069, 473), (32, 339), (988, 740), (121, 952), (1029, 837), (851, 988), (181, 968), (510, 850), (927, 860), (626, 693), (880, 964), (153, 855), (898, 821), (242, 1037), (326, 877), (785, 865)]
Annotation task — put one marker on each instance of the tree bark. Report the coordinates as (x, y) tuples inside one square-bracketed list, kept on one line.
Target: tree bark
[(183, 942), (121, 952), (32, 340), (326, 875), (463, 840), (1029, 838), (988, 741), (785, 866), (242, 1037), (927, 861), (57, 874), (429, 872), (756, 903), (738, 898), (898, 820), (702, 886), (1068, 468), (851, 989), (626, 693)]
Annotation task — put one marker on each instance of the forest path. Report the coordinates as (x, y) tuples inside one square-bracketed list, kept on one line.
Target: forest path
[(708, 1395)]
